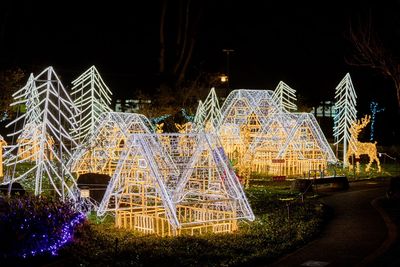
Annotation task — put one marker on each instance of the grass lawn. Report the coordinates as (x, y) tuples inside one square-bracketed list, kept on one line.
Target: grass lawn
[(283, 223)]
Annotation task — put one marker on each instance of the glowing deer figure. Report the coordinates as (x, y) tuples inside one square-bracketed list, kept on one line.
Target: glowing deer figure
[(360, 148)]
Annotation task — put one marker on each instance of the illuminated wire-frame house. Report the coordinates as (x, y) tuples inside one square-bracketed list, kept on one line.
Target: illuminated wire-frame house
[(290, 144), (176, 189), (102, 150), (259, 136), (164, 184)]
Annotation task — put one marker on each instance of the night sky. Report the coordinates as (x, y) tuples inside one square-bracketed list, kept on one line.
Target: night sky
[(302, 44)]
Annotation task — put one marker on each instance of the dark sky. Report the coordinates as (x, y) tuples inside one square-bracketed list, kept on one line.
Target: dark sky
[(302, 44)]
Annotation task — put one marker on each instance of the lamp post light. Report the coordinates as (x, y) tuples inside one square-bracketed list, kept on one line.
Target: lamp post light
[(223, 78), (228, 78)]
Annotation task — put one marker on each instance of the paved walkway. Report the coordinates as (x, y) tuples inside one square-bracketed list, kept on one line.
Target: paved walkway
[(356, 231)]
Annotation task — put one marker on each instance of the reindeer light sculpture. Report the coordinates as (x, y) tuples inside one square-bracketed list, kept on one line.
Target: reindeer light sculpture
[(362, 148)]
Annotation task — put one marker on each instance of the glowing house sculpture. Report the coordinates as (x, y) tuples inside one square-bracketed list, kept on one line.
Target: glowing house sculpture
[(102, 151), (346, 114), (259, 135), (2, 144), (44, 137), (290, 144), (362, 148), (164, 184), (175, 190), (92, 97)]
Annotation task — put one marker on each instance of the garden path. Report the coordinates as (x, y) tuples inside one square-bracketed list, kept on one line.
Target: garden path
[(355, 234)]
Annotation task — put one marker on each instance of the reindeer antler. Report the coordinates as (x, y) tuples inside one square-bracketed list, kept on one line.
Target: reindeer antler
[(181, 128), (358, 125), (364, 121), (159, 128)]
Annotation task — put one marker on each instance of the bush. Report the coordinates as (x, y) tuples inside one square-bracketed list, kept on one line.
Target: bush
[(32, 225)]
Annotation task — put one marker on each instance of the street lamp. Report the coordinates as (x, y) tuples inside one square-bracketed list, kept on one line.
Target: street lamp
[(223, 78), (227, 51)]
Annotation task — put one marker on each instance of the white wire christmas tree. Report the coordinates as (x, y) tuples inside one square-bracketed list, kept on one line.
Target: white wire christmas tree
[(92, 97), (208, 115), (346, 113), (284, 97), (200, 115), (49, 115)]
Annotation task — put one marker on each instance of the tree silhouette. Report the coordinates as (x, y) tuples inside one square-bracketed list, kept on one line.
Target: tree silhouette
[(371, 52)]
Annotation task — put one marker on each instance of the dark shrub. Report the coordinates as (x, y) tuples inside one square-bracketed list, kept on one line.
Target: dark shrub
[(32, 225), (16, 189)]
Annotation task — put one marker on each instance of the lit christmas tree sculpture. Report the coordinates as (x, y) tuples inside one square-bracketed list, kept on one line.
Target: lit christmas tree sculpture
[(346, 113), (44, 134), (284, 97), (92, 97), (199, 116), (208, 115)]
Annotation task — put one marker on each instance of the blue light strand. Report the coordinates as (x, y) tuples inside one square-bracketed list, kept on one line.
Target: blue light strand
[(188, 117), (4, 116), (67, 231), (156, 120), (374, 110)]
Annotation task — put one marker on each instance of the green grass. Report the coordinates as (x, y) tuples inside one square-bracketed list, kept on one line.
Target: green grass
[(280, 226)]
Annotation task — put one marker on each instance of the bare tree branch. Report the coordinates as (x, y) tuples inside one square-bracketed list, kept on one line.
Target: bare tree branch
[(370, 52)]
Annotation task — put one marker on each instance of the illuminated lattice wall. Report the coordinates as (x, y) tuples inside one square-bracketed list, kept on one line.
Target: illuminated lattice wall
[(259, 136)]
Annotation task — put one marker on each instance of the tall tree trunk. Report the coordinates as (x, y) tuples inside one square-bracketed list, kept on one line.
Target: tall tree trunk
[(162, 36), (183, 48)]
